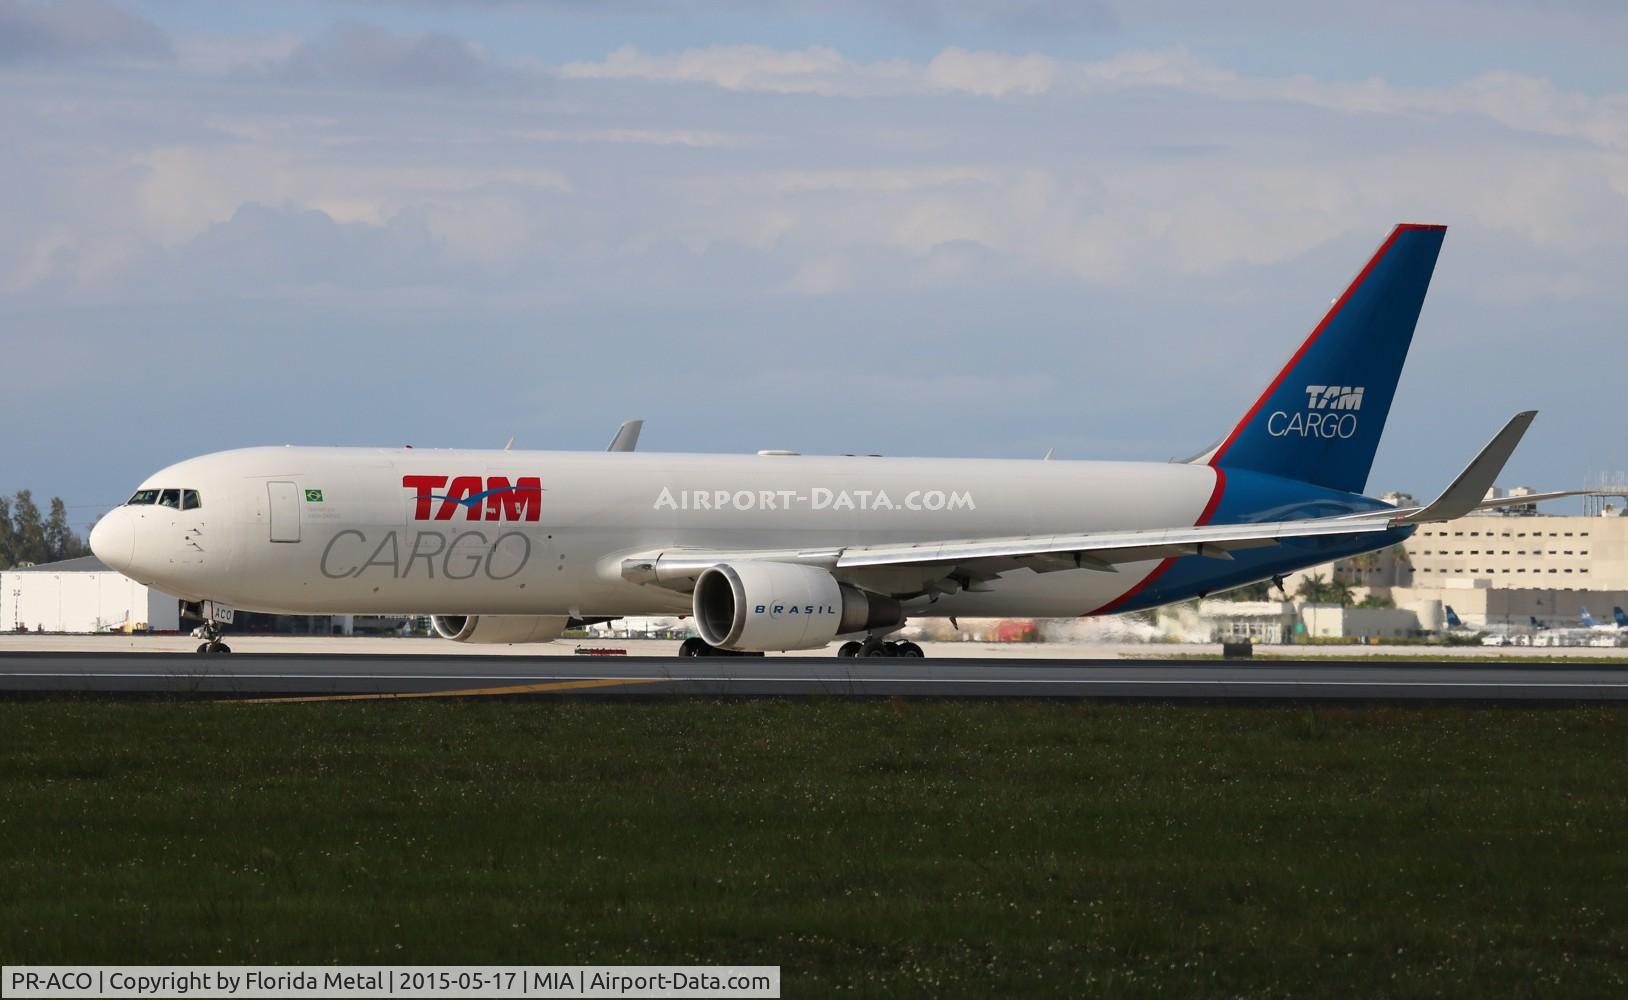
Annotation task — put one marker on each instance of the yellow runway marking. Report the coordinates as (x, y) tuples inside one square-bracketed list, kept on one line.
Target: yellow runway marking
[(464, 693)]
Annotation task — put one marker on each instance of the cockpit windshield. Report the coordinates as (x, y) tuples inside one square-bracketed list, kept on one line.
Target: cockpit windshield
[(176, 499)]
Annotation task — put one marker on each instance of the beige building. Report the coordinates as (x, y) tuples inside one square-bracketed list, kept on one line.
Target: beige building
[(1499, 567), (1522, 552)]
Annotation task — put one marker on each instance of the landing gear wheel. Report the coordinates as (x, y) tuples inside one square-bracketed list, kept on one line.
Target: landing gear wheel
[(908, 649), (875, 647), (694, 646), (210, 633), (849, 648)]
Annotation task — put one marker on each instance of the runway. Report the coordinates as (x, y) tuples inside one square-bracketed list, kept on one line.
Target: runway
[(283, 677)]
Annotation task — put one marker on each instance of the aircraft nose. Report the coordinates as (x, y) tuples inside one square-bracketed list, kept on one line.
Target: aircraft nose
[(114, 539)]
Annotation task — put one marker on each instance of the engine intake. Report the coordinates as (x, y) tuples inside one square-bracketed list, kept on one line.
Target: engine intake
[(492, 629), (762, 606)]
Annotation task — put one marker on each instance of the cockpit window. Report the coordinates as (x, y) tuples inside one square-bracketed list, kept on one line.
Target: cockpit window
[(143, 497), (170, 498), (189, 500)]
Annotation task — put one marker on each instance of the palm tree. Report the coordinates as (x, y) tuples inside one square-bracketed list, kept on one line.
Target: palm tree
[(1340, 592), (1313, 589)]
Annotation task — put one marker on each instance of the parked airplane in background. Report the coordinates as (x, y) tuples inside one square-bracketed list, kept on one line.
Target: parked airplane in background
[(778, 551), (1496, 633), (1619, 622)]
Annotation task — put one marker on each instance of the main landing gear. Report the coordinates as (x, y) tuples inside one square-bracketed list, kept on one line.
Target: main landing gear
[(878, 647), (697, 646)]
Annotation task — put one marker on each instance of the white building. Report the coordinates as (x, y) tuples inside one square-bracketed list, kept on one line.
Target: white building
[(81, 595), (1275, 622), (1266, 623)]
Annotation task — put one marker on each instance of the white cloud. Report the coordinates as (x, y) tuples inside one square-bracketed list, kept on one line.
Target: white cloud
[(696, 138), (518, 184), (185, 189), (813, 70), (822, 275), (1520, 102), (991, 74), (876, 181)]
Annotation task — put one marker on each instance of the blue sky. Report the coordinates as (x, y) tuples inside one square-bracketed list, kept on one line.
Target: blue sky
[(963, 228)]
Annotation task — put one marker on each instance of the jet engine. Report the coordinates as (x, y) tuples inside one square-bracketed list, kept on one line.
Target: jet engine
[(499, 628), (762, 606)]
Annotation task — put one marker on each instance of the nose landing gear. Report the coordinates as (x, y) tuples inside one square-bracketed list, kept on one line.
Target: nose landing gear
[(212, 615), (211, 633)]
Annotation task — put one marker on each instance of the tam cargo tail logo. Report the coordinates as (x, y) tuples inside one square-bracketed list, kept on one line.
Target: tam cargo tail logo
[(491, 499), (1331, 412)]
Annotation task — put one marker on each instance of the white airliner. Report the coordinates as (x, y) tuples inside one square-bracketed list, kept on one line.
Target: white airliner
[(1619, 621), (785, 552)]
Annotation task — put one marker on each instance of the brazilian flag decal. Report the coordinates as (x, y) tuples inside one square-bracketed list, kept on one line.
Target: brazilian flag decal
[(313, 496)]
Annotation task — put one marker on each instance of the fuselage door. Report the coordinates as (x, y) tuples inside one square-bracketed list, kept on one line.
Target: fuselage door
[(285, 511)]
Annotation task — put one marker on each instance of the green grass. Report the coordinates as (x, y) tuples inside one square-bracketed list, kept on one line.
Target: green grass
[(922, 848)]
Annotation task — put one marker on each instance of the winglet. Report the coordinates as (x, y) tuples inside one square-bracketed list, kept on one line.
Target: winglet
[(627, 436), (1470, 488)]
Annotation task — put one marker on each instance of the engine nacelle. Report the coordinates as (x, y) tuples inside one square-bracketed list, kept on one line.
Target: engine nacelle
[(499, 628), (761, 606)]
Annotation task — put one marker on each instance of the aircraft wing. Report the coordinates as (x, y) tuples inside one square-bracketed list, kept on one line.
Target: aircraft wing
[(1101, 549), (949, 564), (944, 566)]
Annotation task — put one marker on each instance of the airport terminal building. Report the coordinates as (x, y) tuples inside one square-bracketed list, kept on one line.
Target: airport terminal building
[(1500, 567)]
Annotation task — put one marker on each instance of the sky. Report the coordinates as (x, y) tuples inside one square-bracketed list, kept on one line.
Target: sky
[(893, 226)]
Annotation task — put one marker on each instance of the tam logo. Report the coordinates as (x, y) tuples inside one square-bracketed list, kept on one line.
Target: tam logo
[(1334, 397), (491, 499)]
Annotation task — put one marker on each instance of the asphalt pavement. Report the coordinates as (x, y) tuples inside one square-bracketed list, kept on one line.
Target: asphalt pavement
[(351, 676)]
